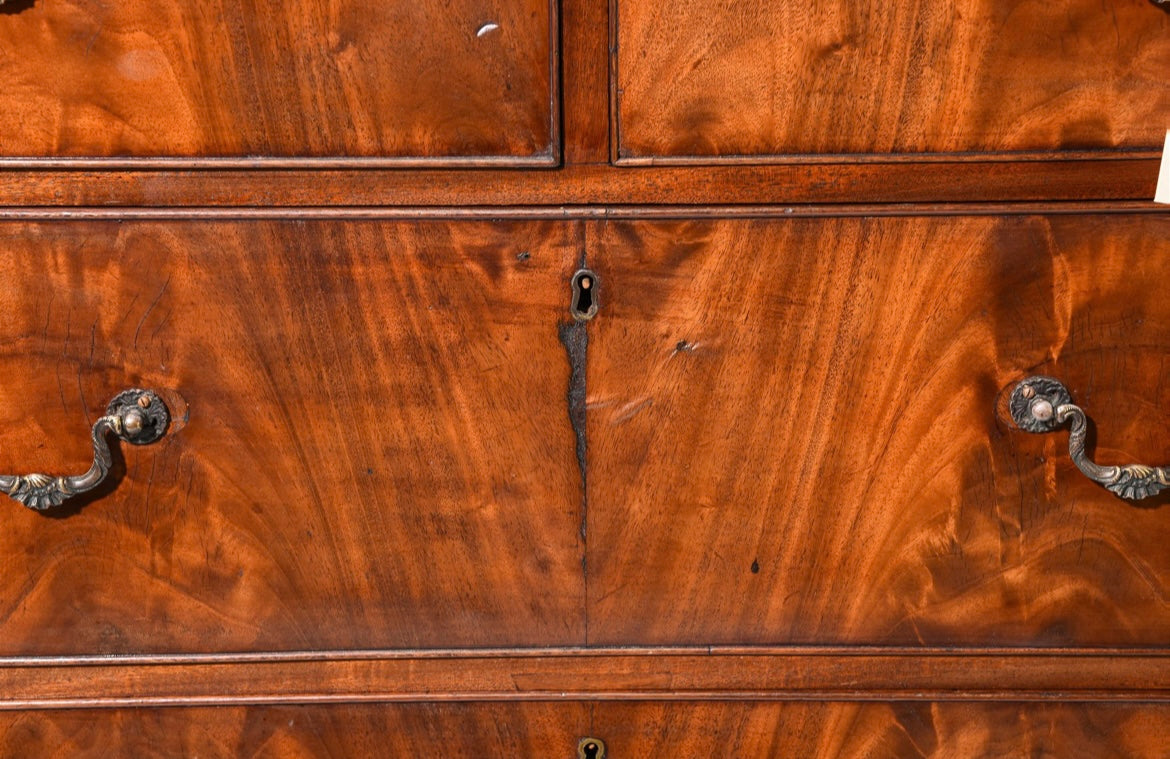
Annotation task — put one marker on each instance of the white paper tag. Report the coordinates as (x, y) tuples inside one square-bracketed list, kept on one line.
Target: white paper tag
[(1162, 194)]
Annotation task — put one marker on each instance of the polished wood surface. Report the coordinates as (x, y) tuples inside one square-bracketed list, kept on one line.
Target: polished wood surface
[(807, 730), (428, 81), (449, 730), (794, 434), (1120, 179), (723, 81), (884, 731), (338, 238), (372, 447)]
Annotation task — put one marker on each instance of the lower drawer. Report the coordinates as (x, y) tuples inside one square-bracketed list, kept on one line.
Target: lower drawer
[(830, 730), (798, 430), (392, 435), (370, 446), (366, 730), (883, 730)]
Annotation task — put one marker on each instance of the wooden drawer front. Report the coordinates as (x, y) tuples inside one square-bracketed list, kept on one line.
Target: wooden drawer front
[(469, 731), (794, 434), (773, 79), (884, 731), (831, 730), (372, 446), (427, 81)]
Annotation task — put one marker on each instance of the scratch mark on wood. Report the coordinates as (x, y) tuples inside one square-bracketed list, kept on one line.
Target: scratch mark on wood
[(630, 410), (150, 308), (486, 28)]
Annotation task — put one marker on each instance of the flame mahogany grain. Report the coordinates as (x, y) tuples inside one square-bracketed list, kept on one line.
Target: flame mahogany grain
[(295, 78), (375, 453), (337, 237), (793, 431), (777, 79)]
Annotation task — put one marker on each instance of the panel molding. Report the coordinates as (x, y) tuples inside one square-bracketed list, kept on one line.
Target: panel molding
[(570, 213), (579, 674), (766, 159), (600, 184)]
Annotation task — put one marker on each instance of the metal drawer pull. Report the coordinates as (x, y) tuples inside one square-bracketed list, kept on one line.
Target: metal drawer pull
[(1041, 404), (136, 416)]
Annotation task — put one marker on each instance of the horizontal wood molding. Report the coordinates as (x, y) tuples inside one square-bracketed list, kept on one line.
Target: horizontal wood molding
[(549, 157), (496, 213), (567, 674), (1119, 154), (601, 184)]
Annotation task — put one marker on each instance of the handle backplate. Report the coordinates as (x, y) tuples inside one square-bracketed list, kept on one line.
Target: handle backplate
[(1043, 404), (138, 417)]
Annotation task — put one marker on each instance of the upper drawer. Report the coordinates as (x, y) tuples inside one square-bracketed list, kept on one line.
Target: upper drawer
[(773, 79), (352, 81)]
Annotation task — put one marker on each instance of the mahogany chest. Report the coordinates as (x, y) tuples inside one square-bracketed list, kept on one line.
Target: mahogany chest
[(584, 378)]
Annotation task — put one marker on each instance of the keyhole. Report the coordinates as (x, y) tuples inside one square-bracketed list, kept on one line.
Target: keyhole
[(591, 748), (583, 306)]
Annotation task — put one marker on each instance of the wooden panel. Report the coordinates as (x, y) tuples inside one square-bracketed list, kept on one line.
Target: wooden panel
[(793, 432), (816, 731), (697, 186), (373, 446), (449, 730), (306, 78), (884, 731), (712, 80)]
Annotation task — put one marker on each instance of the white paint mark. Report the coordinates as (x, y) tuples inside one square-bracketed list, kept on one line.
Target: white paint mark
[(1162, 194), (486, 28)]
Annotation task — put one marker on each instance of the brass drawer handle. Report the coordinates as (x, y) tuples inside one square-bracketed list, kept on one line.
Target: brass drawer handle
[(1041, 404), (136, 416)]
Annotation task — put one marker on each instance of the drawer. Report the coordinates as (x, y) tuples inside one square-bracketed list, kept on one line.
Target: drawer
[(763, 80), (791, 431), (884, 730), (352, 82), (797, 431), (370, 446), (833, 730), (466, 731)]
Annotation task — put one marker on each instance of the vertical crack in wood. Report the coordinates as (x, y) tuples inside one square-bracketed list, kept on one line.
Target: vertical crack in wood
[(575, 337)]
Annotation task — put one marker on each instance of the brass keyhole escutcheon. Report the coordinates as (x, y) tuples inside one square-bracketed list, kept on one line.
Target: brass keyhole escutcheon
[(590, 748), (583, 303)]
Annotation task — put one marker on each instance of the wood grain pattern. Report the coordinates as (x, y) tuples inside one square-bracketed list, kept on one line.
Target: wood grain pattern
[(794, 436), (697, 186), (306, 78), (449, 730), (593, 674), (373, 447), (715, 81), (812, 731), (884, 731), (585, 77)]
